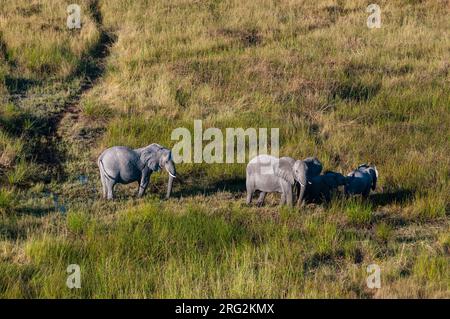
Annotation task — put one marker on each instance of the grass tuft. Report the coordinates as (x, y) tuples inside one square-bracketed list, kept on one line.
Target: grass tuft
[(358, 212), (7, 202), (429, 207), (19, 175), (432, 269)]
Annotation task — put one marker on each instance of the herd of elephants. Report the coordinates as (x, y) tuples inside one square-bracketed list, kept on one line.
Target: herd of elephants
[(298, 181)]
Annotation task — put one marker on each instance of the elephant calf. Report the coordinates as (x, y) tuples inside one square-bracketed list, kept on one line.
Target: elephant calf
[(320, 187), (361, 180), (120, 164)]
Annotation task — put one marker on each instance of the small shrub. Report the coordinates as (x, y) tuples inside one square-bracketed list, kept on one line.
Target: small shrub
[(429, 207), (6, 201), (323, 236), (77, 222), (356, 90), (358, 212), (431, 269), (96, 110), (19, 174), (37, 188), (10, 149), (9, 113), (383, 232), (444, 240)]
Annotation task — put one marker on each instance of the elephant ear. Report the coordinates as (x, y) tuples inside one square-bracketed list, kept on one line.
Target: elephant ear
[(165, 156), (301, 173), (150, 156), (283, 169)]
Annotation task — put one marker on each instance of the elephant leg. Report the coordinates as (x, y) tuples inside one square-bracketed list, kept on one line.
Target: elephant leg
[(143, 184), (289, 195), (297, 191), (250, 190), (104, 190), (261, 198), (283, 199), (110, 189), (249, 197)]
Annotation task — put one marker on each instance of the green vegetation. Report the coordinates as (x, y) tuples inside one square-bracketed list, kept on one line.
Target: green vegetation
[(358, 212), (6, 201), (136, 70)]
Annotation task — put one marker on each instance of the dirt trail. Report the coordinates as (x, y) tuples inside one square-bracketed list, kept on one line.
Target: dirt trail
[(55, 116), (90, 70)]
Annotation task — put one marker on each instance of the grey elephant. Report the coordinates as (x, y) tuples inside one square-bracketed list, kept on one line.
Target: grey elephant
[(321, 187), (361, 180), (270, 174), (123, 165)]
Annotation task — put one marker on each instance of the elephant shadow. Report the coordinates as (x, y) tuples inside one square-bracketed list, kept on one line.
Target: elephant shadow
[(399, 196), (235, 185)]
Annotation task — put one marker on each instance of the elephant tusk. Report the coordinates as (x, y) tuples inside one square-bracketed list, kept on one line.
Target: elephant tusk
[(170, 173), (308, 182)]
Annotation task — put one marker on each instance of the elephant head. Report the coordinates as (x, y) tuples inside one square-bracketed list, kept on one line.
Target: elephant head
[(372, 170), (301, 171), (293, 171), (314, 166), (156, 157)]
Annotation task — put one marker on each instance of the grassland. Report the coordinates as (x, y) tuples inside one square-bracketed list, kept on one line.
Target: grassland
[(138, 69)]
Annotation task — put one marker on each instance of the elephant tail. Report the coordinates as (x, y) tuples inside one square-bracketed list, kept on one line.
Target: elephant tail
[(102, 169)]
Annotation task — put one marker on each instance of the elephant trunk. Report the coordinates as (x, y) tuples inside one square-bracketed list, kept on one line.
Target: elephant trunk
[(169, 187), (170, 167), (301, 172), (302, 194)]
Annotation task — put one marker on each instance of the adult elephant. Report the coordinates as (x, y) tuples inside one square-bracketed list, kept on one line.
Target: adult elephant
[(123, 165), (270, 174)]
